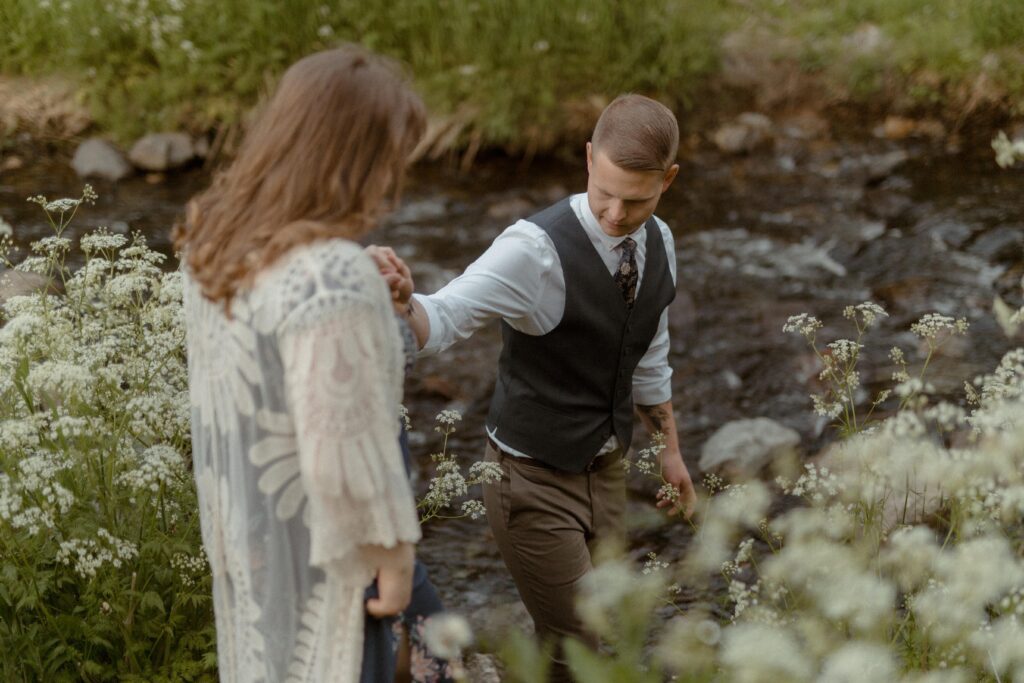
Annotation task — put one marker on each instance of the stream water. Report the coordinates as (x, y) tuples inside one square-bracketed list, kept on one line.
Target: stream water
[(759, 238)]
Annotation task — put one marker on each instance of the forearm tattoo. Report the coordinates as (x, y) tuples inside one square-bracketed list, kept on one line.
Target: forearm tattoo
[(659, 417)]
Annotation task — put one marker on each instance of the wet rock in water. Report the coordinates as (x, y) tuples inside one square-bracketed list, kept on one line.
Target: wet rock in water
[(429, 277), (738, 250), (872, 169), (946, 231), (749, 131), (804, 125), (162, 151), (1003, 244), (511, 209), (418, 211), (743, 447), (482, 668), (493, 623), (98, 158)]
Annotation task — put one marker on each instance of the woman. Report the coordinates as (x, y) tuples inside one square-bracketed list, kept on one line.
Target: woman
[(295, 370)]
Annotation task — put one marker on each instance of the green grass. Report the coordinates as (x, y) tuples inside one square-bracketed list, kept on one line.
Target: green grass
[(521, 74)]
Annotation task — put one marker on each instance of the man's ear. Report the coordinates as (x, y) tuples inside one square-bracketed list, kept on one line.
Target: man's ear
[(590, 156), (670, 175)]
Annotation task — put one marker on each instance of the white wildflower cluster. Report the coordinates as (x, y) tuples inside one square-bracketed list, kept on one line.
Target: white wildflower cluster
[(646, 461), (94, 409), (816, 483), (190, 567), (901, 563), (934, 325), (88, 555), (446, 419), (102, 241), (652, 564), (844, 350), (448, 483), (156, 467), (1008, 151), (484, 473), (474, 509), (802, 324), (446, 635), (865, 314)]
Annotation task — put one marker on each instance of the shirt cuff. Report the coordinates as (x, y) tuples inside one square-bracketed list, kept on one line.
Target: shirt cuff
[(433, 343)]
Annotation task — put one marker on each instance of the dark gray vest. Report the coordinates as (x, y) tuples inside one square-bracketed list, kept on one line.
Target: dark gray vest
[(559, 396)]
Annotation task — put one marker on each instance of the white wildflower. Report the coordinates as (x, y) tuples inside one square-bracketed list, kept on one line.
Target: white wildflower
[(61, 205), (933, 324), (101, 240), (860, 662), (752, 653), (869, 312), (652, 564), (447, 635), (1007, 151), (485, 472), (448, 418), (5, 228), (474, 509), (803, 324), (845, 350)]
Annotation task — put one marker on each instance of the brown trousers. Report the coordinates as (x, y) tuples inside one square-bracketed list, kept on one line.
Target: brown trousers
[(546, 523)]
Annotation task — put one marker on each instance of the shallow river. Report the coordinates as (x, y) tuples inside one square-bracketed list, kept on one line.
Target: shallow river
[(758, 238)]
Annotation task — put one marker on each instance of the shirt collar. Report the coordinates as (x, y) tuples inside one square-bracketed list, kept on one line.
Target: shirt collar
[(591, 225)]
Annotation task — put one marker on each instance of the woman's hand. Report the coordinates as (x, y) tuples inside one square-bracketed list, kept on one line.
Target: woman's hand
[(395, 272), (394, 578)]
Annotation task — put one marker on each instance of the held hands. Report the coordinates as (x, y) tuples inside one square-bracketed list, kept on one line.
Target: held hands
[(395, 272), (394, 578), (674, 472)]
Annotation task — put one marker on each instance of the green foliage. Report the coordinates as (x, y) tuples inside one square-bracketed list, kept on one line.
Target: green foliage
[(102, 575), (508, 67)]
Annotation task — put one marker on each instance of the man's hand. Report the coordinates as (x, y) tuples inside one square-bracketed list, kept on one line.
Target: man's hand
[(394, 578), (675, 473), (395, 272)]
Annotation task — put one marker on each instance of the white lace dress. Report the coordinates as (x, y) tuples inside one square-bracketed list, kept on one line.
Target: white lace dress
[(295, 445)]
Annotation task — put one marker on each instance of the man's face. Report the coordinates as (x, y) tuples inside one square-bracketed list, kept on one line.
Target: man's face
[(623, 200)]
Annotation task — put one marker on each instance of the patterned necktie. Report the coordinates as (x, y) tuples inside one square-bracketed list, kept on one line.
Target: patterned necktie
[(626, 275)]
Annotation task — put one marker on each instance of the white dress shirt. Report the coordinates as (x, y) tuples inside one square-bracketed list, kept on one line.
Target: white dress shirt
[(519, 279)]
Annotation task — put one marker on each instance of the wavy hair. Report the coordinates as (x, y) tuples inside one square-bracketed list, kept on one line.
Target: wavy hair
[(330, 146)]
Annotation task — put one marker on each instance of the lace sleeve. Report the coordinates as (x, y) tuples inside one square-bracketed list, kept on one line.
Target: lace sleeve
[(340, 367)]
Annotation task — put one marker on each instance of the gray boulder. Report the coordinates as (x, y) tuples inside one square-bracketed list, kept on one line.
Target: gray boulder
[(99, 158), (162, 151), (743, 447), (748, 132)]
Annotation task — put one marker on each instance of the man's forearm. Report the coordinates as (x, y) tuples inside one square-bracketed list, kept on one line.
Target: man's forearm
[(660, 418), (414, 314)]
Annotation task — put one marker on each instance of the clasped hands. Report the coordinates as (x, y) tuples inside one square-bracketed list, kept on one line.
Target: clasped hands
[(395, 273)]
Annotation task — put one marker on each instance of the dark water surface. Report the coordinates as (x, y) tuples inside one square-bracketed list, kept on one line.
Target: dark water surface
[(759, 238)]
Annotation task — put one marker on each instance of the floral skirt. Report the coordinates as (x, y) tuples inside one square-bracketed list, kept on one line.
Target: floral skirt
[(383, 636)]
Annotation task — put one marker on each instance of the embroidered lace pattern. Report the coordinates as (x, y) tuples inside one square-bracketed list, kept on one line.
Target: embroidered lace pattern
[(295, 402)]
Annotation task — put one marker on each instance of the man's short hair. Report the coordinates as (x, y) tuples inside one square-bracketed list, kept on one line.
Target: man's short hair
[(637, 133)]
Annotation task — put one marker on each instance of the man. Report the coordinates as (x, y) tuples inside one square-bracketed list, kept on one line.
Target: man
[(582, 290)]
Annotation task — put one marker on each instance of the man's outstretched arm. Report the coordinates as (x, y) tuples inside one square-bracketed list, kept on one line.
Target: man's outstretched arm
[(660, 419)]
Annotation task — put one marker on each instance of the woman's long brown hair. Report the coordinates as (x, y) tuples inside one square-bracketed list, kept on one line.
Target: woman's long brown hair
[(330, 146)]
